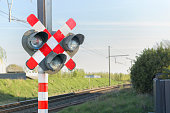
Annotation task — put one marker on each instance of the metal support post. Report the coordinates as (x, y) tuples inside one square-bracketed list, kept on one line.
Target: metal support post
[(109, 63), (115, 61), (41, 11), (44, 12), (48, 13), (44, 9)]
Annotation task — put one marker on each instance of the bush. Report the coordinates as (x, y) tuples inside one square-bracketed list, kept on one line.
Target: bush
[(165, 74), (120, 77), (13, 68), (147, 65)]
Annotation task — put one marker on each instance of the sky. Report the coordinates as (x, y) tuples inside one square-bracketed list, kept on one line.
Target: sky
[(127, 26)]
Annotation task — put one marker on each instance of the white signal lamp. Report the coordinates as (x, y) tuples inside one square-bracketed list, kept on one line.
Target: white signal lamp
[(73, 44), (36, 42), (55, 63), (32, 41)]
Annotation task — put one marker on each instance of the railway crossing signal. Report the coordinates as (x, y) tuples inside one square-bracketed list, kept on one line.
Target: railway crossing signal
[(51, 51), (48, 49)]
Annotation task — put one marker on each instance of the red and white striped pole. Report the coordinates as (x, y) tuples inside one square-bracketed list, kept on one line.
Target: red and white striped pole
[(44, 12), (42, 91)]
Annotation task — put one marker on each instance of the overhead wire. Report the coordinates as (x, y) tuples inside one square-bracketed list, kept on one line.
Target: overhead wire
[(93, 51), (15, 19), (116, 62), (122, 57), (119, 51), (3, 16)]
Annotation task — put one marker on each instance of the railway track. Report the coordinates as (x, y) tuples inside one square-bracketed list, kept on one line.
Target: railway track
[(58, 102)]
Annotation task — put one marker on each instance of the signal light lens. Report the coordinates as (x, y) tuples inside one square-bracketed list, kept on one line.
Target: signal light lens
[(73, 44), (56, 63), (36, 42), (53, 62), (32, 41)]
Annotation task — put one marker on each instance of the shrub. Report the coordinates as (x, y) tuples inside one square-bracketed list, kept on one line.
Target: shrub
[(146, 66), (13, 68), (165, 74)]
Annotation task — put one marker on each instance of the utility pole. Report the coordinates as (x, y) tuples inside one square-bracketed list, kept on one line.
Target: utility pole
[(115, 61), (109, 63), (9, 8)]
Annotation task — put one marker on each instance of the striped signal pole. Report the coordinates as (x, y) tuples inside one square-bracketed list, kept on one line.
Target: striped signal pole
[(44, 11), (42, 91)]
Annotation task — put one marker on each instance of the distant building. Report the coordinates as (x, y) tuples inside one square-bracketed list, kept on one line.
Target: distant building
[(92, 76)]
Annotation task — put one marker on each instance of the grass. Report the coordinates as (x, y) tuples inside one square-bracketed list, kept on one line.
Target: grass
[(14, 90), (123, 101)]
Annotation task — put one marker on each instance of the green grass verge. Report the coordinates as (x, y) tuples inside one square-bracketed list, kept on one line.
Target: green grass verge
[(14, 90), (123, 101)]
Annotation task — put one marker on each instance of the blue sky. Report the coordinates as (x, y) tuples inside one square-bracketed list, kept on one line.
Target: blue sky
[(128, 26)]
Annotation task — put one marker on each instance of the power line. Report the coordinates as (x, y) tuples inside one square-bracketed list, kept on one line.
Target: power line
[(121, 51), (98, 53), (91, 47), (14, 18), (88, 52), (93, 51), (118, 55), (3, 16)]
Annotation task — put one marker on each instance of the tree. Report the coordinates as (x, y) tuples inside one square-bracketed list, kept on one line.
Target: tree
[(2, 55), (166, 43), (2, 60), (78, 73), (147, 65)]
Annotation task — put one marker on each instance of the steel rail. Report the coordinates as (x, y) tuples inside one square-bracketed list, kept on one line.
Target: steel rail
[(18, 106)]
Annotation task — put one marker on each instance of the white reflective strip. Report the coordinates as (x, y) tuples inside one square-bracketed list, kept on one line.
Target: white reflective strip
[(65, 29), (42, 110), (42, 78), (39, 26), (42, 96), (52, 43), (38, 56), (68, 57)]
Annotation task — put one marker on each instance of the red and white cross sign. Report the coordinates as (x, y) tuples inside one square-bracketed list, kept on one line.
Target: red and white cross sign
[(52, 43)]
